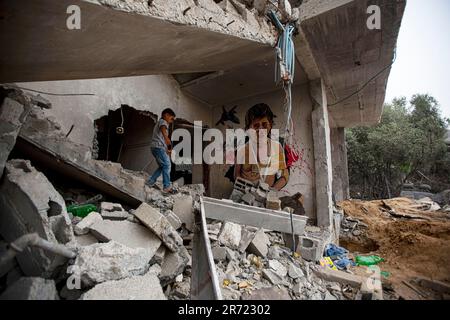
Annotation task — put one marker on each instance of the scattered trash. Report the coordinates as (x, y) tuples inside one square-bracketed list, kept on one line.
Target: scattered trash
[(327, 262), (368, 260), (81, 210), (339, 256)]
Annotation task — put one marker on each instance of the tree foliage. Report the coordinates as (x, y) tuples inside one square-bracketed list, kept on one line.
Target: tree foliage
[(409, 140)]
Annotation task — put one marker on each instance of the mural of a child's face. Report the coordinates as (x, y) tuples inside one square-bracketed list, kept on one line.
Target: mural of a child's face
[(261, 124)]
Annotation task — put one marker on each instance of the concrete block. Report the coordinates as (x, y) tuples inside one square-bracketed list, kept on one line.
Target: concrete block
[(159, 224), (246, 238), (113, 211), (230, 235), (103, 262), (29, 203), (219, 253), (182, 207), (116, 215), (146, 287), (272, 201), (236, 195), (31, 288), (328, 274), (82, 227), (173, 219), (278, 268), (272, 277), (173, 264), (260, 244), (127, 233), (248, 198), (295, 272), (309, 249)]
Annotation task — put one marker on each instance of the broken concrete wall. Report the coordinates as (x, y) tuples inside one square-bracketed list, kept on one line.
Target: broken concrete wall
[(225, 16), (28, 204), (146, 93), (302, 174), (14, 109), (340, 166)]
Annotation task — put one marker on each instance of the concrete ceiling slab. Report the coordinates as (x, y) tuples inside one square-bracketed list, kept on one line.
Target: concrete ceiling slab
[(37, 45), (249, 80), (347, 55)]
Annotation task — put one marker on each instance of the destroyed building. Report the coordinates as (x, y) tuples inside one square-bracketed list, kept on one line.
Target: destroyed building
[(79, 106)]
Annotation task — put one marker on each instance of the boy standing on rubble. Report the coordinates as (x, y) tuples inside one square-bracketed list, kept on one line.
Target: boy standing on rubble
[(161, 148)]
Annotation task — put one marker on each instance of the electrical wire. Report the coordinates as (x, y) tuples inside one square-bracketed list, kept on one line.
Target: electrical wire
[(367, 83), (55, 94)]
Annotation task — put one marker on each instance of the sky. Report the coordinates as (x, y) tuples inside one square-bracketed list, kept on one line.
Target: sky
[(423, 53)]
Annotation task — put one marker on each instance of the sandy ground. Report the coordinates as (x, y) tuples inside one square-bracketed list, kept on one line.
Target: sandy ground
[(417, 245)]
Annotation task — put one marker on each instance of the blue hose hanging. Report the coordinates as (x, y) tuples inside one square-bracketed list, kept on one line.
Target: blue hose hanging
[(285, 51), (285, 64)]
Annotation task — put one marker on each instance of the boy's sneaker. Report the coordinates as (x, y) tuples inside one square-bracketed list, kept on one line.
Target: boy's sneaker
[(171, 190)]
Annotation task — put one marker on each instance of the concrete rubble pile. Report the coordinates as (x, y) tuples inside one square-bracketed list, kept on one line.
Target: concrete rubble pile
[(120, 254), (143, 251), (146, 253)]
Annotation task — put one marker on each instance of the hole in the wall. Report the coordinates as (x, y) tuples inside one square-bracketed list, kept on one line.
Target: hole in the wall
[(132, 148), (124, 136)]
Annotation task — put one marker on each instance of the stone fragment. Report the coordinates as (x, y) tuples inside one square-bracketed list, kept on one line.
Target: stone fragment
[(29, 203), (82, 227), (271, 276), (246, 238), (219, 253), (113, 211), (260, 244), (173, 219), (182, 207), (230, 235), (146, 287), (159, 224), (295, 272), (278, 268), (127, 233), (173, 264), (110, 261)]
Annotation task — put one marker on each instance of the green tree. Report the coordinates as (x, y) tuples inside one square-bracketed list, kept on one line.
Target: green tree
[(408, 139)]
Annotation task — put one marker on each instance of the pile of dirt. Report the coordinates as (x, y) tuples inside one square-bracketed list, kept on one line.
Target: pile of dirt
[(413, 242)]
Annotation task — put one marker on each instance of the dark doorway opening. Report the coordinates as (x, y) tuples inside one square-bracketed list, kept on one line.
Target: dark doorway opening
[(124, 136)]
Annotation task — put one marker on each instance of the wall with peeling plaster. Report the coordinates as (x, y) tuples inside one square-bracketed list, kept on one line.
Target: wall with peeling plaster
[(148, 93)]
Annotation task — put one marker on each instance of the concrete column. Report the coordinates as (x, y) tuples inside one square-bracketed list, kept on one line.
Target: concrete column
[(322, 154), (340, 168)]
